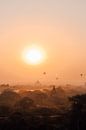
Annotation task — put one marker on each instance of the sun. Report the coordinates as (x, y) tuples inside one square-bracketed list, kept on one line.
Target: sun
[(33, 55)]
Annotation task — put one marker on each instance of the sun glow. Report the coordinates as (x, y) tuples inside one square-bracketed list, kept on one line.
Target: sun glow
[(33, 55)]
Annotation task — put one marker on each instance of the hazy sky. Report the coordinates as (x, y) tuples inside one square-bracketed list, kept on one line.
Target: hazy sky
[(58, 26)]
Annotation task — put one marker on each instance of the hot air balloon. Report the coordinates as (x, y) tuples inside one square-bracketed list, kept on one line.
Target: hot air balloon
[(57, 78), (81, 75), (44, 73)]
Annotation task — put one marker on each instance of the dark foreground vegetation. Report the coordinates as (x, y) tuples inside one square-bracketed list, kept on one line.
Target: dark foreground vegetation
[(50, 110)]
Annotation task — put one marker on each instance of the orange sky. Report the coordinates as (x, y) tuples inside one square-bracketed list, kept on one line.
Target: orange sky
[(59, 27)]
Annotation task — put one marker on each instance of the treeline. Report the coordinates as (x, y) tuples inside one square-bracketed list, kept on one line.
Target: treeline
[(37, 110)]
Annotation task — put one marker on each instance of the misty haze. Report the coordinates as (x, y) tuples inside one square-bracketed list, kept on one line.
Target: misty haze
[(42, 65)]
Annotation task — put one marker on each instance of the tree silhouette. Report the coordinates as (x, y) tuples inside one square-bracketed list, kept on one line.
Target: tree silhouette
[(78, 105)]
